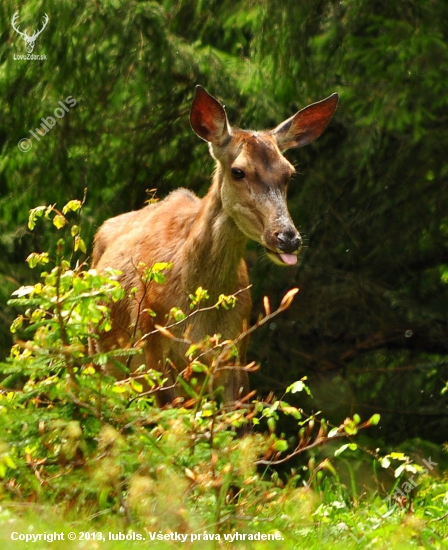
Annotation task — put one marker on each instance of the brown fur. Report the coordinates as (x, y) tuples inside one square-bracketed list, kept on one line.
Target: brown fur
[(204, 240)]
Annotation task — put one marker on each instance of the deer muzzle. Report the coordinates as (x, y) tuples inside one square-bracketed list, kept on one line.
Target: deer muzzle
[(284, 246)]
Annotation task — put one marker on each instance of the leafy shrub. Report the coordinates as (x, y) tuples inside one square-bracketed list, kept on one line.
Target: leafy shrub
[(75, 438)]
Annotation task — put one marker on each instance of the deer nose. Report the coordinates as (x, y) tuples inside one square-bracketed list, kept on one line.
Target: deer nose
[(289, 241)]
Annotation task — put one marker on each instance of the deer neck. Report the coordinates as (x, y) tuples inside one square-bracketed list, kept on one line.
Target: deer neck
[(215, 247)]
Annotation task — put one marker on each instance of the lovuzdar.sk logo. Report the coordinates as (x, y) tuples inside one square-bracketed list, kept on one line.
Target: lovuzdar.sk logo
[(30, 40)]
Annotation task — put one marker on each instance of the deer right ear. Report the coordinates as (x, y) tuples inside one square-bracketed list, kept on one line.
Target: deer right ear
[(208, 118), (306, 125)]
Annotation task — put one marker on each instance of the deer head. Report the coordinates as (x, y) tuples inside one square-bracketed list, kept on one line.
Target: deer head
[(254, 173)]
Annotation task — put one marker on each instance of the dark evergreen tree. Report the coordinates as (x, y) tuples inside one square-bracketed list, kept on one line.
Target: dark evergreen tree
[(371, 198)]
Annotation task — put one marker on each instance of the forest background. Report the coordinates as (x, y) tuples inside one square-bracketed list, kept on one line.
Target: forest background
[(369, 325)]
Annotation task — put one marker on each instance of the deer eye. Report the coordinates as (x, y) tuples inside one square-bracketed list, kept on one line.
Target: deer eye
[(237, 174)]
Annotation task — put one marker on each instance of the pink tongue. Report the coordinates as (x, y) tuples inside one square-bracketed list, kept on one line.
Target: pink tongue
[(289, 259)]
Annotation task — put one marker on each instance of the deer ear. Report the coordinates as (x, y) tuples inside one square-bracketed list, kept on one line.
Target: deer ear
[(306, 125), (208, 118)]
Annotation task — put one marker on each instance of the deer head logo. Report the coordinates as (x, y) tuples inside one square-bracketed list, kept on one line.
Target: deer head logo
[(29, 40)]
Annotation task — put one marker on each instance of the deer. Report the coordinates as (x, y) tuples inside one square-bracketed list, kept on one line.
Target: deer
[(203, 240)]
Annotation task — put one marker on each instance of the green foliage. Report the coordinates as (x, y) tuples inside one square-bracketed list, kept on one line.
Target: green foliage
[(370, 201), (369, 327), (76, 439)]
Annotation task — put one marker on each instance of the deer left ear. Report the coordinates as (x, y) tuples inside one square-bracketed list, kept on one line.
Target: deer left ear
[(208, 118), (306, 125)]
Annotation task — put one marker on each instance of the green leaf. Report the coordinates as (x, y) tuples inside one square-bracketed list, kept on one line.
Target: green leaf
[(342, 448), (398, 456), (298, 387), (291, 411), (177, 314), (119, 388), (35, 213), (59, 221), (200, 295), (136, 386), (161, 266), (198, 367), (10, 462), (351, 428), (79, 244), (72, 205), (226, 301), (374, 420), (208, 409), (17, 324), (36, 258), (280, 445), (191, 350)]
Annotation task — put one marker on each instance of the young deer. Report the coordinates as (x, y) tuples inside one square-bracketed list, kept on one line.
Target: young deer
[(204, 240)]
